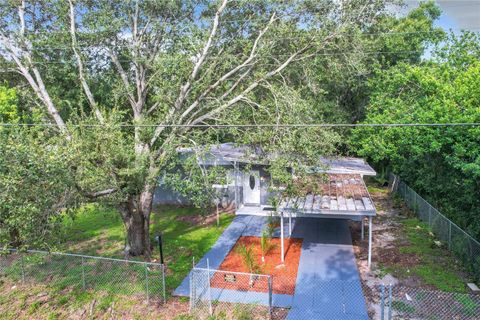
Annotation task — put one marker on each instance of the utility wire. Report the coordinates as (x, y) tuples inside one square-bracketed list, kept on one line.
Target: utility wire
[(127, 45), (224, 57), (386, 33), (269, 125)]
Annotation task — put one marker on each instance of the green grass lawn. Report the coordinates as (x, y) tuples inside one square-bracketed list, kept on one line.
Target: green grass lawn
[(100, 232), (184, 241), (437, 266)]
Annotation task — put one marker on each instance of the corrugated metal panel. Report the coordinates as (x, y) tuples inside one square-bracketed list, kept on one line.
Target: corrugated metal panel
[(344, 195)]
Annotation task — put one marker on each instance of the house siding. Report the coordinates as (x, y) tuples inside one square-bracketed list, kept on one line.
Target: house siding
[(165, 195)]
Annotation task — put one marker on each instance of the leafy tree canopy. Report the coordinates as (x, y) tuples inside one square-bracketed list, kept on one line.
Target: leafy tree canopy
[(123, 82), (441, 163)]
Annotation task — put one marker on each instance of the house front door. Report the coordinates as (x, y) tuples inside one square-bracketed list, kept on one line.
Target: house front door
[(251, 188)]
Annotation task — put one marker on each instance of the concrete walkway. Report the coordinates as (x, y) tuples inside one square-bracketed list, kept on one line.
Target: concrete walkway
[(328, 284)]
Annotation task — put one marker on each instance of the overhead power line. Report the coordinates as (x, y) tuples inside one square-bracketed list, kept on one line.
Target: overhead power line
[(385, 33), (268, 125), (345, 53), (128, 45)]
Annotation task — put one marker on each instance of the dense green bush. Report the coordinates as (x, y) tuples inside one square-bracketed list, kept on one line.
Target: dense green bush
[(443, 163)]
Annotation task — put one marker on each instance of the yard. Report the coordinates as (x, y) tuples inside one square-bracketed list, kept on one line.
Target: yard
[(406, 253), (97, 231)]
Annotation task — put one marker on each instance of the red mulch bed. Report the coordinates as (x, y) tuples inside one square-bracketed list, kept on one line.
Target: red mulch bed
[(283, 275)]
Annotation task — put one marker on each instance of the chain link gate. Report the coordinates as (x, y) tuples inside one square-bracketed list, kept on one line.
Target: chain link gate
[(200, 297), (216, 291)]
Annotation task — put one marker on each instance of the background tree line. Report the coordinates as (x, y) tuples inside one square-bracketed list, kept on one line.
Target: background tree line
[(441, 164)]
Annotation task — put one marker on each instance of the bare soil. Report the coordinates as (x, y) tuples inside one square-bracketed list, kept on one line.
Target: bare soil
[(40, 302), (389, 236), (385, 233), (207, 219)]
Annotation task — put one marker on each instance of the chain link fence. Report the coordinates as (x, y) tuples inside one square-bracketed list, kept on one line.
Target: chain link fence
[(230, 295), (398, 302), (221, 294), (63, 270), (463, 246)]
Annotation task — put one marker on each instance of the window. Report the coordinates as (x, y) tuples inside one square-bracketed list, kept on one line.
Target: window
[(252, 182)]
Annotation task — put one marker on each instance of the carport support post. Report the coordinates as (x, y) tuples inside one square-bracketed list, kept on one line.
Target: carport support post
[(281, 237), (362, 222), (369, 242), (290, 225)]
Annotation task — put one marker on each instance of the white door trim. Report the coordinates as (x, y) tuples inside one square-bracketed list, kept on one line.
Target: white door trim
[(251, 187)]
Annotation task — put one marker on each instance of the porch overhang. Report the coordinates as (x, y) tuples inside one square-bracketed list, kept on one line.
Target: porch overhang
[(342, 196), (338, 196)]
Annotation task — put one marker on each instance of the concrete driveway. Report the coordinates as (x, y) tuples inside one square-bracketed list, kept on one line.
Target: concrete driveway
[(328, 284)]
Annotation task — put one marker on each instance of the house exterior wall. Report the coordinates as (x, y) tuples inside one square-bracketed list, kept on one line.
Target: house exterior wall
[(164, 195), (264, 184)]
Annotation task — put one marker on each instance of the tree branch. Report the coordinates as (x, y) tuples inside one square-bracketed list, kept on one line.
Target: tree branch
[(222, 79), (184, 89), (83, 81), (252, 86), (97, 194), (35, 81), (124, 77), (231, 72)]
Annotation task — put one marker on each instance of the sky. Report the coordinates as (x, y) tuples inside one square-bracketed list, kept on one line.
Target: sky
[(456, 14)]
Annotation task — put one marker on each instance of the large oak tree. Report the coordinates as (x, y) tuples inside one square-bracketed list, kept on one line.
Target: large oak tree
[(127, 82)]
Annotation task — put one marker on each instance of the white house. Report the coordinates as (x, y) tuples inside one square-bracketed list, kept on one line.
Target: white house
[(247, 187), (341, 194)]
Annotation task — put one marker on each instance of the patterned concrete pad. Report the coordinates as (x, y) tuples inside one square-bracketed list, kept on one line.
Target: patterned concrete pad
[(328, 284)]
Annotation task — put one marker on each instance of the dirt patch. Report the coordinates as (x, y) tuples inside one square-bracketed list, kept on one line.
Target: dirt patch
[(390, 263), (199, 219), (20, 301), (393, 256), (284, 274), (385, 234)]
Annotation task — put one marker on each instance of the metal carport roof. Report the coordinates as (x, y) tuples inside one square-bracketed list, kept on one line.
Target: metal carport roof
[(338, 196)]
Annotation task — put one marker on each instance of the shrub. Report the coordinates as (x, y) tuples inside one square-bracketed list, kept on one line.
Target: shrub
[(272, 224), (248, 257), (266, 243)]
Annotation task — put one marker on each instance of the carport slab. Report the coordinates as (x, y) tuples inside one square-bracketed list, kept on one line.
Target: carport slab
[(328, 284)]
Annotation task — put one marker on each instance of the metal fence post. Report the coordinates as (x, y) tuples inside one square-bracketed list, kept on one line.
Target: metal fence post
[(449, 235), (430, 216), (23, 267), (191, 290), (210, 310), (415, 204), (192, 285), (146, 282), (84, 286), (163, 284), (390, 301), (270, 289), (382, 302)]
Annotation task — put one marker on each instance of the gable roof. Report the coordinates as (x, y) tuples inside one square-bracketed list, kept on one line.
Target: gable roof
[(227, 153)]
